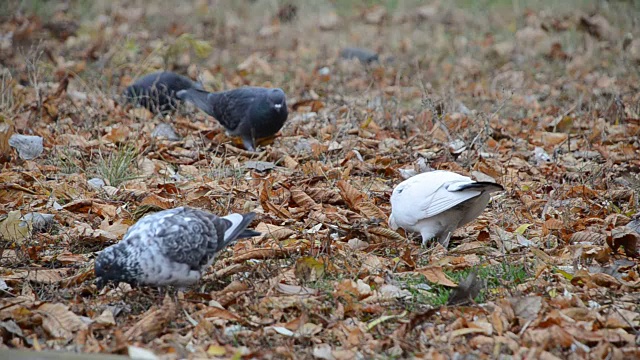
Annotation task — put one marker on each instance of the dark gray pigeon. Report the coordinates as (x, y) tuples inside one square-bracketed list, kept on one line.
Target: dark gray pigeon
[(365, 56), (170, 247), (249, 112), (157, 91)]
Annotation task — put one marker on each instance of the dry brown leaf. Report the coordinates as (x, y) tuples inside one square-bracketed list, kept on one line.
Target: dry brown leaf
[(625, 237), (82, 231), (588, 237), (278, 210), (549, 139), (216, 312), (78, 278), (311, 104), (153, 322), (261, 254), (117, 229), (155, 200), (621, 318), (551, 224), (295, 289), (352, 196), (324, 196), (79, 206), (104, 210), (67, 258), (368, 209), (436, 275), (39, 276), (117, 134), (526, 307), (59, 322), (302, 199), (290, 163), (386, 232), (273, 231), (605, 280), (106, 319)]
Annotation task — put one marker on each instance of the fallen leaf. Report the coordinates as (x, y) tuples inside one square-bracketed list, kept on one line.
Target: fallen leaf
[(436, 275), (13, 228), (59, 322)]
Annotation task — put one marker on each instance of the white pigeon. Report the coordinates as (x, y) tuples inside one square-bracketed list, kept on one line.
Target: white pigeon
[(436, 203), (170, 247)]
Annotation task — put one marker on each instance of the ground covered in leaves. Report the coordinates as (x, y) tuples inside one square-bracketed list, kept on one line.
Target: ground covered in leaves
[(542, 98)]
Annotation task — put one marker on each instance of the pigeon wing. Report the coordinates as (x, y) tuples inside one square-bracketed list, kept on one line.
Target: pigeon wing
[(429, 194), (192, 237), (232, 107)]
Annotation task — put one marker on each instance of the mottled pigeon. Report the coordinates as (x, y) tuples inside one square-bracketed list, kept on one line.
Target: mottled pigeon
[(170, 247), (249, 112), (157, 91), (435, 203)]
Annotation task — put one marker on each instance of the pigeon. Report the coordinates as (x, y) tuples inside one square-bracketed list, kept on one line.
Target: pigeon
[(248, 112), (171, 247), (157, 91), (365, 56), (436, 203)]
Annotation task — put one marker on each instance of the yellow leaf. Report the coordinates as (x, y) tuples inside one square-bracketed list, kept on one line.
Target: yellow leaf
[(216, 350), (565, 274), (201, 48), (522, 228), (384, 318), (309, 269), (366, 122), (14, 229)]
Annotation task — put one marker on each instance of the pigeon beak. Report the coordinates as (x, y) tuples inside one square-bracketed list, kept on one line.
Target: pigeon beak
[(100, 283), (277, 107)]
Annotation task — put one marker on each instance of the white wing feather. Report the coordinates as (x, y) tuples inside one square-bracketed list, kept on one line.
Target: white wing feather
[(428, 194)]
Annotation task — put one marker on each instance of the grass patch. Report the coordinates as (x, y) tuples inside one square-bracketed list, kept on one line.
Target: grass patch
[(117, 167), (67, 160), (498, 278)]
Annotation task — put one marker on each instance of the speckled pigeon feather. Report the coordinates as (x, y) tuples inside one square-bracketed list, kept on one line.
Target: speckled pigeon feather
[(249, 112), (435, 203), (157, 91), (170, 247)]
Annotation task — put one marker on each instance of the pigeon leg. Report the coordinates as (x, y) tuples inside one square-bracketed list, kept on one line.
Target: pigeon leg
[(427, 236), (248, 144), (444, 239)]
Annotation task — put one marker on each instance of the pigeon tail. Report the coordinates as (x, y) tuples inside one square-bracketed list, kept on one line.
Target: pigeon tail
[(477, 185), (238, 228), (247, 233), (198, 97)]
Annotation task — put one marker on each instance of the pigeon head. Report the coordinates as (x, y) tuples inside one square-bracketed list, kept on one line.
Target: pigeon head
[(277, 99), (398, 190), (113, 265)]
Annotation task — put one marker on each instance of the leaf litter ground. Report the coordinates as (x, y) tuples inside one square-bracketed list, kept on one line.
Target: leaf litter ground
[(542, 99)]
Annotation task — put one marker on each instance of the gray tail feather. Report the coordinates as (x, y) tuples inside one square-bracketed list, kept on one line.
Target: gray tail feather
[(199, 98), (483, 186), (241, 231), (247, 233)]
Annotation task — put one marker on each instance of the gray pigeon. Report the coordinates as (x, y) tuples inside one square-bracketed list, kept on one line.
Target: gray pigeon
[(157, 91), (365, 56), (249, 112), (170, 247)]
